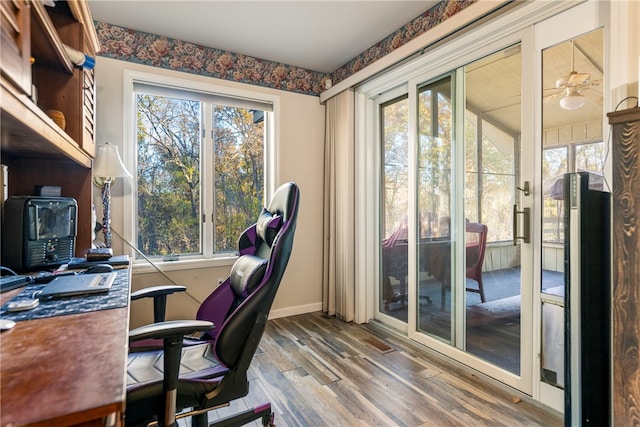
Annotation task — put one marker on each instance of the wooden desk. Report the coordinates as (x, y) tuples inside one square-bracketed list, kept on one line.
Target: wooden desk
[(64, 370)]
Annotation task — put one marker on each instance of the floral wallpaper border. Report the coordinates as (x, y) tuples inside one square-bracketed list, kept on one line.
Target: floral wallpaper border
[(158, 51), (419, 25)]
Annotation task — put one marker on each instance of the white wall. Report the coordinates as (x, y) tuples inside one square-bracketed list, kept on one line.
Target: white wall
[(300, 159)]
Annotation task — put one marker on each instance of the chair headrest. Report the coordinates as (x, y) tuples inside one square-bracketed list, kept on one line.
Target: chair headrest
[(246, 274), (268, 225), (285, 200)]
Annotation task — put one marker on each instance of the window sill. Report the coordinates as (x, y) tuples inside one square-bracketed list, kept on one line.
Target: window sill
[(558, 245), (141, 266)]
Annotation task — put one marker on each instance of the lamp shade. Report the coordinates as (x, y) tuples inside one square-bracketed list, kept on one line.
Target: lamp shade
[(108, 163), (572, 100)]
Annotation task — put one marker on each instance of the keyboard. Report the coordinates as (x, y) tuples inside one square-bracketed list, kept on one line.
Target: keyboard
[(8, 283)]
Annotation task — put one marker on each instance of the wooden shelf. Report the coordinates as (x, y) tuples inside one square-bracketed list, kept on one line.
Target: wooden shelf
[(28, 132), (46, 45), (35, 150)]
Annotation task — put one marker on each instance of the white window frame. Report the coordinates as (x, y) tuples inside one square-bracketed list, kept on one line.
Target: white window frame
[(132, 78)]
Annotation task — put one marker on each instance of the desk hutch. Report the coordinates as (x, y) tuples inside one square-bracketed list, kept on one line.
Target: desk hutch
[(38, 76)]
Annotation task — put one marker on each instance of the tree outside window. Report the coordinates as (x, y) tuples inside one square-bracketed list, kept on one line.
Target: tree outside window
[(197, 189), (556, 161)]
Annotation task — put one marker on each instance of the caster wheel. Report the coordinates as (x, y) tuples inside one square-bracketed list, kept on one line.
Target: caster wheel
[(269, 420)]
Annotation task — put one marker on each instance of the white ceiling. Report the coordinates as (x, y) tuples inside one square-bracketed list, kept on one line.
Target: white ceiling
[(316, 35), (323, 35)]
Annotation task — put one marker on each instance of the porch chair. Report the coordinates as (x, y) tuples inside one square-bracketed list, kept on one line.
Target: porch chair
[(196, 378), (476, 245)]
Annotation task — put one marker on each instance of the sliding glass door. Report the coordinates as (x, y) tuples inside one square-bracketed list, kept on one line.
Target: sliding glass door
[(450, 262), (468, 268), (473, 141), (492, 174), (573, 140), (435, 203), (394, 131)]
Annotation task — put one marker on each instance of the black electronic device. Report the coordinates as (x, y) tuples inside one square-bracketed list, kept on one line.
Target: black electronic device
[(38, 232), (587, 301), (98, 268), (8, 283)]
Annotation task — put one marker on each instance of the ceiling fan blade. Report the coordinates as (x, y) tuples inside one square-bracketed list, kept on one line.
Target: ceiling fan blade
[(561, 83), (578, 79), (552, 91), (551, 97)]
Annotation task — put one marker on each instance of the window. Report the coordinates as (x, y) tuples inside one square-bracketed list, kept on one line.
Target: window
[(201, 163), (492, 130), (554, 165), (395, 199), (572, 138), (490, 176), (556, 161)]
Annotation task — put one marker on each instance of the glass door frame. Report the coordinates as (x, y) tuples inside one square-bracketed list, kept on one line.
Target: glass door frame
[(572, 23), (505, 30), (379, 102)]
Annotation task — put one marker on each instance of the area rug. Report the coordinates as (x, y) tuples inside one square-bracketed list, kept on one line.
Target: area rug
[(489, 312)]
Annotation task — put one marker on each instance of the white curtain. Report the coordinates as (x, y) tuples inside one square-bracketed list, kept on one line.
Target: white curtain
[(339, 208)]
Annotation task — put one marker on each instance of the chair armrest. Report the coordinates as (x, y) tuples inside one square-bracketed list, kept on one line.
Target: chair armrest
[(153, 291), (169, 329), (171, 333), (159, 295)]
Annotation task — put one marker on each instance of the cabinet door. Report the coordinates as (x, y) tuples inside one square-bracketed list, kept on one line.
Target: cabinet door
[(88, 143), (15, 48), (626, 257)]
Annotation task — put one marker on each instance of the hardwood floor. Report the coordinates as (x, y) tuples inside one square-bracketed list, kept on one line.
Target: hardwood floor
[(320, 371)]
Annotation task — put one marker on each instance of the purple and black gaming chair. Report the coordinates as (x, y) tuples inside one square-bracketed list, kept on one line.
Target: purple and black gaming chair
[(202, 376), (255, 240)]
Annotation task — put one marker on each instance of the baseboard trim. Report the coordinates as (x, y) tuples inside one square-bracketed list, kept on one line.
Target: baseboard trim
[(292, 311)]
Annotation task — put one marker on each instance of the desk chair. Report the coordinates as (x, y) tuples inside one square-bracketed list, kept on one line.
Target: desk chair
[(200, 376), (255, 240)]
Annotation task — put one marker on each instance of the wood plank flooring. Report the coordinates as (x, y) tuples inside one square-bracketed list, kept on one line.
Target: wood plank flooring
[(320, 371)]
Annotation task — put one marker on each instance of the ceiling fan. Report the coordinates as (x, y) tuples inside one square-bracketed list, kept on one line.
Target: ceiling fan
[(571, 86)]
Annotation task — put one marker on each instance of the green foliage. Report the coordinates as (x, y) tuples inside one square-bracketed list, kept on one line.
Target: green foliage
[(435, 136), (396, 158), (239, 167)]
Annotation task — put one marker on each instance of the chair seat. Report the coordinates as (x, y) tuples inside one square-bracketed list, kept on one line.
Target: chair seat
[(197, 361)]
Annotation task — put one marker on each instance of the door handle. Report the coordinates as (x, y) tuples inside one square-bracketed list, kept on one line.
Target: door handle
[(525, 224), (525, 189)]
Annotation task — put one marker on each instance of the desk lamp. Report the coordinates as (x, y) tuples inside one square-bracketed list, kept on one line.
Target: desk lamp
[(107, 166)]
